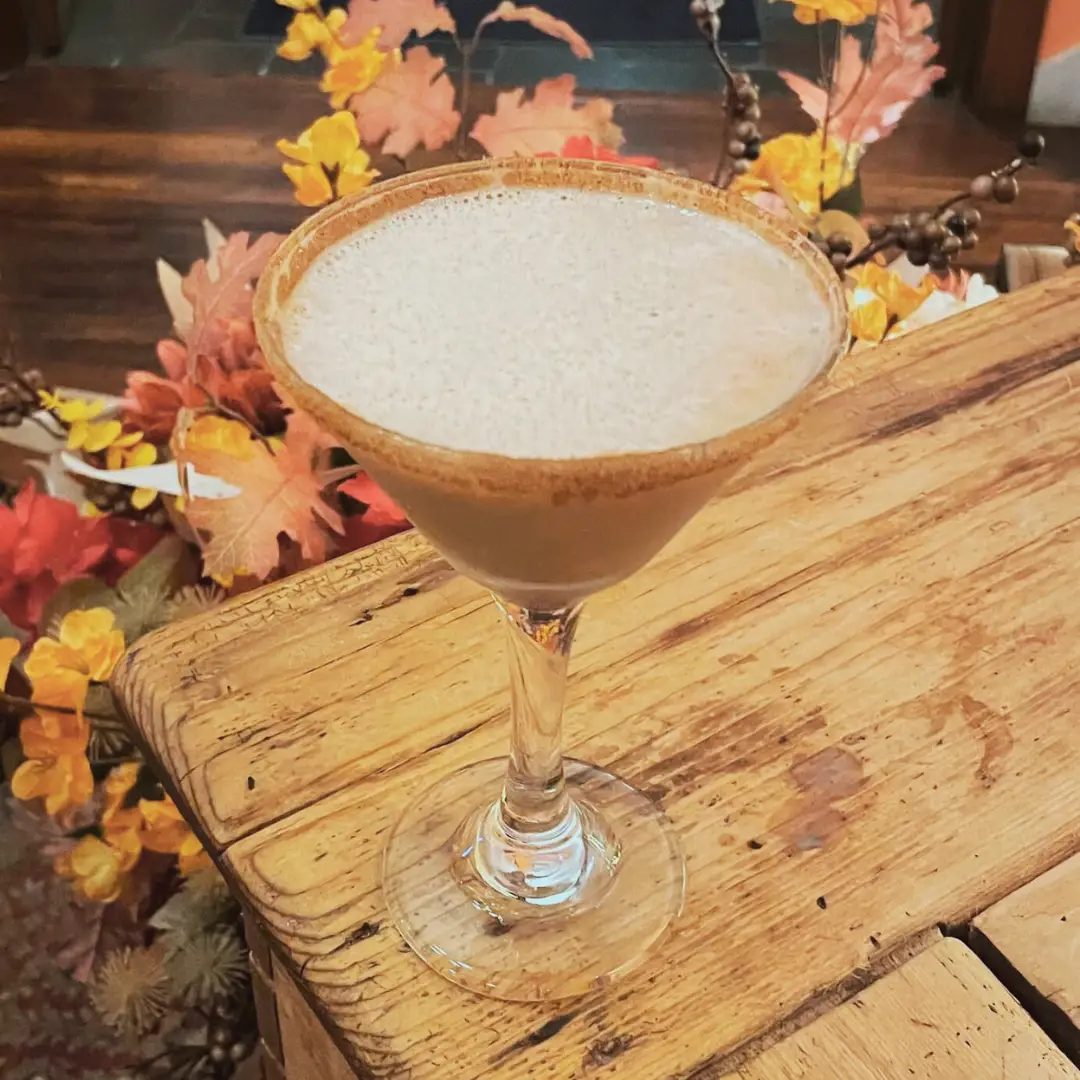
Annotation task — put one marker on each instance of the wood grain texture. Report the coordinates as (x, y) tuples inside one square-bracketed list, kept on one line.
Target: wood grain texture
[(838, 669), (1035, 934), (942, 1016), (103, 171)]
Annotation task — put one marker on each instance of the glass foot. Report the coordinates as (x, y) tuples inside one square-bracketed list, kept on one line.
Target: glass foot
[(576, 936)]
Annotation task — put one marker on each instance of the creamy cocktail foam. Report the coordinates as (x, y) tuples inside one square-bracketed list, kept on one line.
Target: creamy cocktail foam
[(556, 324)]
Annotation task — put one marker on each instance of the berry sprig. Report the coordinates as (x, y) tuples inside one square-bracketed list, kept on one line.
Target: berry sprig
[(936, 238), (740, 142), (18, 392)]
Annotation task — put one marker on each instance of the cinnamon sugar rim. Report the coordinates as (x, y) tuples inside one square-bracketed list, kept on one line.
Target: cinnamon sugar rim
[(480, 473)]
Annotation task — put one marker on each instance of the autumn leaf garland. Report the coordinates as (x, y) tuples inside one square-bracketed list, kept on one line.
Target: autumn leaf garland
[(402, 99)]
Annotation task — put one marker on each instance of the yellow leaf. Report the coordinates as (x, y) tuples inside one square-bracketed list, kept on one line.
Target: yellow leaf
[(100, 435), (141, 498), (217, 433)]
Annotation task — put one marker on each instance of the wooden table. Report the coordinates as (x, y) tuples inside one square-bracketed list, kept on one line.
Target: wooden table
[(851, 682)]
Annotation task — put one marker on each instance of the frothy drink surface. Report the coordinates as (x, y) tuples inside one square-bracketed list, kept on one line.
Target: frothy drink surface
[(556, 324)]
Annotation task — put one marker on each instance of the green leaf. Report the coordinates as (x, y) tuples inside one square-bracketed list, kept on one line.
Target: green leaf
[(77, 595), (146, 587), (168, 566)]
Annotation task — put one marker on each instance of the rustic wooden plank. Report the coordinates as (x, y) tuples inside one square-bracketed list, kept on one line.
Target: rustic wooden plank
[(307, 1050), (1032, 938), (862, 649), (939, 1017)]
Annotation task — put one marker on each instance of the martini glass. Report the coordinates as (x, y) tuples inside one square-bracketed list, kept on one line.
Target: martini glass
[(537, 877)]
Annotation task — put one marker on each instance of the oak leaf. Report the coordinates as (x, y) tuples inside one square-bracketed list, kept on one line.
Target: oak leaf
[(222, 291), (542, 21), (408, 104), (544, 123), (870, 97), (397, 19), (280, 492)]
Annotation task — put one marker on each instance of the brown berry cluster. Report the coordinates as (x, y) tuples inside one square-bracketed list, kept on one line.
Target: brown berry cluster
[(935, 238), (930, 240), (744, 109), (18, 393), (1072, 241), (837, 248)]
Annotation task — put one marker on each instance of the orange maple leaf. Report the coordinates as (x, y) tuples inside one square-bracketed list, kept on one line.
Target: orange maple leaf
[(280, 492), (409, 103), (397, 19), (542, 21), (544, 124), (221, 291)]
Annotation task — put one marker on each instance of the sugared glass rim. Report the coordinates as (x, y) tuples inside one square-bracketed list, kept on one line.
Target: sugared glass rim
[(480, 473)]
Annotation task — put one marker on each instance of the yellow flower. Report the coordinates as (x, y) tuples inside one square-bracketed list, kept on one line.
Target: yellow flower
[(299, 5), (56, 768), (848, 12), (310, 183), (165, 830), (901, 299), (309, 31), (793, 164), (117, 819), (9, 649), (87, 651), (129, 451), (868, 316), (330, 148), (99, 867), (84, 432), (352, 70)]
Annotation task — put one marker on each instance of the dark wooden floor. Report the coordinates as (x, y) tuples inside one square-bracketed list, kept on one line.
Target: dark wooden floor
[(103, 171)]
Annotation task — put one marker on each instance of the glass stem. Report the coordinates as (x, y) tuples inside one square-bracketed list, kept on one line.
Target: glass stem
[(538, 644), (532, 845)]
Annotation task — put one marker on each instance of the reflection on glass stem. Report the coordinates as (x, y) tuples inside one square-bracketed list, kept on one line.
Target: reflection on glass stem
[(536, 845)]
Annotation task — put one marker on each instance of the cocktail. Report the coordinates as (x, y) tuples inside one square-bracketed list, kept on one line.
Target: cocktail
[(551, 365)]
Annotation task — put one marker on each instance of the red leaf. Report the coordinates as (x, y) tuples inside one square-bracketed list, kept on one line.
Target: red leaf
[(397, 19), (381, 509), (582, 148), (409, 103), (129, 541), (43, 543), (544, 123), (542, 21), (224, 292), (869, 100)]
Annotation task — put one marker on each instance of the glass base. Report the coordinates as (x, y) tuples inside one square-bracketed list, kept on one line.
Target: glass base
[(565, 944)]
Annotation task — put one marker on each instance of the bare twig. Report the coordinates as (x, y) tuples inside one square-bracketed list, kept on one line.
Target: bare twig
[(25, 707), (830, 85)]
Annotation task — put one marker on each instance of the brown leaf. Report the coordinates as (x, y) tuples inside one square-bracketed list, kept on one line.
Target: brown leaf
[(408, 104), (280, 492), (543, 124), (542, 21)]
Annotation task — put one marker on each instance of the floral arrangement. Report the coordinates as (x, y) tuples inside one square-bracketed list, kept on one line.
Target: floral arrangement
[(205, 479)]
